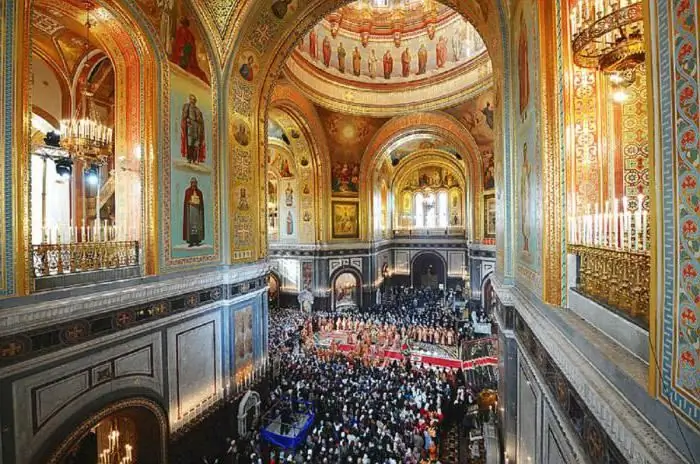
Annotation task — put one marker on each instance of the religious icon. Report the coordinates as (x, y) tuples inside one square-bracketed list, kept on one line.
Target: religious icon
[(488, 112), (356, 62), (243, 200), (388, 64), (313, 43), (345, 178), (364, 38), (406, 62), (247, 69), (192, 143), (490, 229), (397, 39), (341, 58), (289, 195), (456, 48), (326, 51), (184, 52), (345, 220), (280, 7), (193, 215), (285, 171), (290, 223), (430, 28), (523, 67), (307, 216), (422, 59), (242, 134), (372, 64), (525, 200), (441, 52), (489, 181)]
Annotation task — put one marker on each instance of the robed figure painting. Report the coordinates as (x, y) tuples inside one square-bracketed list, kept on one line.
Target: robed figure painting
[(192, 144), (193, 215), (523, 68), (185, 50)]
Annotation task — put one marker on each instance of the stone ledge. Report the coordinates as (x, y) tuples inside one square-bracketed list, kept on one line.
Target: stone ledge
[(21, 318), (634, 436)]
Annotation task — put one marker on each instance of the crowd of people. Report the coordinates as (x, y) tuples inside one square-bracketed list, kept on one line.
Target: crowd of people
[(367, 409)]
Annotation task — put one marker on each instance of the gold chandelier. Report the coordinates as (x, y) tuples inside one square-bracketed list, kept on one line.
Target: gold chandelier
[(87, 138), (607, 34)]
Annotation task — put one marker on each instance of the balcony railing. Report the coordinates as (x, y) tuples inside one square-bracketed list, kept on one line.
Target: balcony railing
[(451, 232), (617, 279), (51, 259)]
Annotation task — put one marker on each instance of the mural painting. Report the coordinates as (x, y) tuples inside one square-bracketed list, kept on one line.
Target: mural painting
[(307, 275), (193, 175), (345, 220), (243, 323), (527, 156), (345, 290), (453, 44)]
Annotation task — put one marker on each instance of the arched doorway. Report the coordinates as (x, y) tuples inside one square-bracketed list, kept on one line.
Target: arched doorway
[(273, 292), (248, 412), (428, 271), (135, 429), (347, 288)]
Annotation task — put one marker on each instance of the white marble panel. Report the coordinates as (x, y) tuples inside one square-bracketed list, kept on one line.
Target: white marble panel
[(138, 362), (455, 263), (194, 367), (53, 396)]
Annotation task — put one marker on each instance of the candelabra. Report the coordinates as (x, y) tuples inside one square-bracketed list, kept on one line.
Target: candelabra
[(607, 34), (115, 453)]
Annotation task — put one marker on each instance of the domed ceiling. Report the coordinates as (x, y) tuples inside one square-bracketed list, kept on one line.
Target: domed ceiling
[(380, 57)]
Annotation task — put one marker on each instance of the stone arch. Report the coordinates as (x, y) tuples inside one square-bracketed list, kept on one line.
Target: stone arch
[(251, 400), (288, 99), (346, 269), (420, 256), (138, 58), (260, 32), (485, 288), (440, 125), (74, 429)]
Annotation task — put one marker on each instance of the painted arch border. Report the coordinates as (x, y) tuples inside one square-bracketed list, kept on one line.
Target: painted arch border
[(674, 250)]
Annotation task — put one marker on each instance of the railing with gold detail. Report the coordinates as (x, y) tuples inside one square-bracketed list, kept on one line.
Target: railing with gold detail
[(49, 259), (618, 279)]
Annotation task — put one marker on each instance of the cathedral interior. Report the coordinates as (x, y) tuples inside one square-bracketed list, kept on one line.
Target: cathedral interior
[(369, 231)]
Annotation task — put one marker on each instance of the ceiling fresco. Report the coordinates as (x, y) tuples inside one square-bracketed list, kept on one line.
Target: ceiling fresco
[(381, 61)]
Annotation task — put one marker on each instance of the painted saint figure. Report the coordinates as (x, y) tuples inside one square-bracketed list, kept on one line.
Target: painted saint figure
[(246, 69), (388, 64), (289, 196), (356, 62), (326, 51), (243, 200), (372, 64), (290, 223), (441, 52), (313, 39), (422, 59), (280, 7), (185, 50), (192, 143), (523, 68), (341, 58), (525, 200), (193, 215), (406, 62)]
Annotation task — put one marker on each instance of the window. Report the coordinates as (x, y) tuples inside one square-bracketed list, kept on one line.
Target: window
[(430, 213), (419, 209), (442, 209)]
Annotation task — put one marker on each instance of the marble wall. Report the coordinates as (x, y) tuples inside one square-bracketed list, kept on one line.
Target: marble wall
[(184, 361)]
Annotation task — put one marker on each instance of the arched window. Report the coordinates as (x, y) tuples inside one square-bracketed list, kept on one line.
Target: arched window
[(418, 201), (430, 213), (442, 209)]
